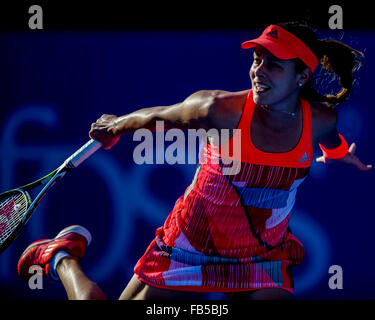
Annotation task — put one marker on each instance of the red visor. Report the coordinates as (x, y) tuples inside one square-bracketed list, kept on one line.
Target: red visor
[(283, 45)]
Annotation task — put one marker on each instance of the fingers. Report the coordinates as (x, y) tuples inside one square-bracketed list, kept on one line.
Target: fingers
[(102, 131), (356, 161), (352, 148), (105, 121), (107, 140), (320, 159), (324, 160), (363, 167), (105, 118)]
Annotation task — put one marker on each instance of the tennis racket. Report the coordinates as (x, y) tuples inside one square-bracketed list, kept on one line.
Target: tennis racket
[(16, 206)]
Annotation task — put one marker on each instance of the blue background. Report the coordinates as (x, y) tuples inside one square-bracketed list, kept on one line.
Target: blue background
[(55, 84)]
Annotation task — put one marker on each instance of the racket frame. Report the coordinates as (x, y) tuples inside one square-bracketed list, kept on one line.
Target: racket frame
[(21, 224), (48, 181)]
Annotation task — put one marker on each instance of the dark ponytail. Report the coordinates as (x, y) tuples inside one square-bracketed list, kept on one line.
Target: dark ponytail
[(334, 56), (343, 60)]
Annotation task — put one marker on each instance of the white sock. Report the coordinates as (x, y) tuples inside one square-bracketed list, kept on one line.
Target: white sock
[(54, 262)]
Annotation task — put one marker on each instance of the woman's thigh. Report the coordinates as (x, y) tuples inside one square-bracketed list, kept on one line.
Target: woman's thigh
[(137, 290)]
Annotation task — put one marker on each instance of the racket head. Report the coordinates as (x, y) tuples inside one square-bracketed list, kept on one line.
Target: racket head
[(14, 212), (16, 206)]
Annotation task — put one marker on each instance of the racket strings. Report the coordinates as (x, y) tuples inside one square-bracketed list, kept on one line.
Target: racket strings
[(12, 210)]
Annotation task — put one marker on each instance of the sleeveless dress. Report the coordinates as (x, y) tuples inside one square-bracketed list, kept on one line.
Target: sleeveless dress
[(229, 232)]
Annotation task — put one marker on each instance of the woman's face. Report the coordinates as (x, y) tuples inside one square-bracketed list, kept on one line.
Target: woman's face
[(273, 80)]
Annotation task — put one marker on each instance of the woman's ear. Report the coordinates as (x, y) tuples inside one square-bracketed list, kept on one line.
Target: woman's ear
[(304, 77)]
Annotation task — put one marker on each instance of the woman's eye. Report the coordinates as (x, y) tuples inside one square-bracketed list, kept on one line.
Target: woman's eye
[(274, 65), (269, 64)]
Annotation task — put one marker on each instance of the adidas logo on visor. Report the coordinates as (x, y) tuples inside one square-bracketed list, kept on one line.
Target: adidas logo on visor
[(272, 34)]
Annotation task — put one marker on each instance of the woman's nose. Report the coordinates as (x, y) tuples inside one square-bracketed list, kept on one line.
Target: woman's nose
[(259, 69), (257, 72)]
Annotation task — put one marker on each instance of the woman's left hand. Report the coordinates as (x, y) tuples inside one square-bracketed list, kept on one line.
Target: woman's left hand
[(350, 158)]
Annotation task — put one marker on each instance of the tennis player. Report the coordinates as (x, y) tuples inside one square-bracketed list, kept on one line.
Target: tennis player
[(229, 233)]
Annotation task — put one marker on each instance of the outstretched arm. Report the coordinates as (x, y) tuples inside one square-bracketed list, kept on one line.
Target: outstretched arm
[(203, 109), (191, 113)]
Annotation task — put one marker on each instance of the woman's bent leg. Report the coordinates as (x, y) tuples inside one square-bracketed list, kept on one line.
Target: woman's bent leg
[(77, 285)]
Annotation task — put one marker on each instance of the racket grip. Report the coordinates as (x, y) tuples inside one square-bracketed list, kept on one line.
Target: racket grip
[(81, 154)]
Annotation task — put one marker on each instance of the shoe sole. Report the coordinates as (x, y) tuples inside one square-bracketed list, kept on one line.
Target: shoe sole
[(72, 229)]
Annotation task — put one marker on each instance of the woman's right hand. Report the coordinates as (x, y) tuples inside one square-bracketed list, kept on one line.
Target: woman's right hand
[(105, 130)]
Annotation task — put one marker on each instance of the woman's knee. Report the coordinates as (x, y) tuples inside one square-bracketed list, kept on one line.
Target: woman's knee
[(90, 291)]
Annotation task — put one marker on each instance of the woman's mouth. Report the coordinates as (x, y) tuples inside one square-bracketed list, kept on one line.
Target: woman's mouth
[(261, 88)]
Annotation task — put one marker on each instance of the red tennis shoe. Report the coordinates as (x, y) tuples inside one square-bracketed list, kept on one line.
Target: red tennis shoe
[(71, 241)]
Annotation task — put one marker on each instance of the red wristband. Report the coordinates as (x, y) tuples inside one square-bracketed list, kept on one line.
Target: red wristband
[(338, 152)]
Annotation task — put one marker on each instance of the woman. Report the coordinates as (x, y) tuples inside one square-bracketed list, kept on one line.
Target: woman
[(229, 232)]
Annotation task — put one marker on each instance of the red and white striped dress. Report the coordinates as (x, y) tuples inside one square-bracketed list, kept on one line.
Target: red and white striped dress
[(230, 233)]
